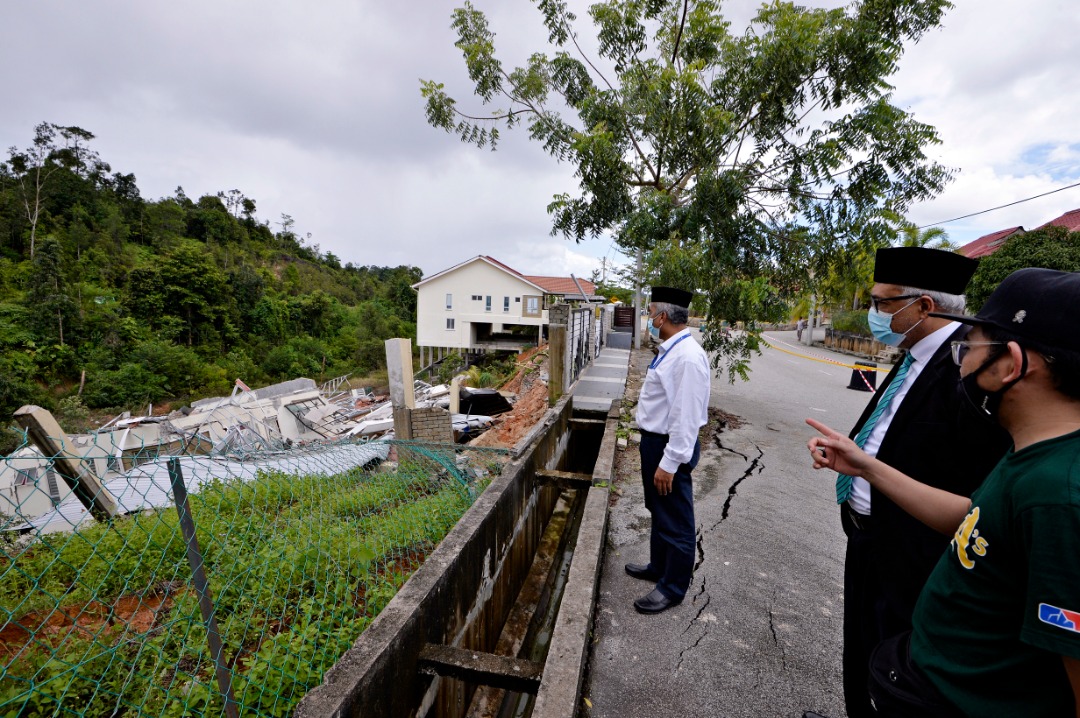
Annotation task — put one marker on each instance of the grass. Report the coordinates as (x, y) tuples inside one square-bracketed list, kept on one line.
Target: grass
[(298, 567)]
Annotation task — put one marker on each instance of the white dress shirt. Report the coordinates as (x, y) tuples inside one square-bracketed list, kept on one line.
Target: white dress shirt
[(921, 353), (674, 398)]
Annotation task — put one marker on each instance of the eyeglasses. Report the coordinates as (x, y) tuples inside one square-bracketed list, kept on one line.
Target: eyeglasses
[(960, 348), (884, 300)]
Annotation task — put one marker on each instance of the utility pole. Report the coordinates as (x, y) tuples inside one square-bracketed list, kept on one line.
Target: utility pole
[(637, 301), (812, 319)]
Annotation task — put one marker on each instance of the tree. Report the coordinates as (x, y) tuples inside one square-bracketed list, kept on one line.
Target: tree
[(909, 234), (760, 153), (50, 306), (32, 167), (194, 289), (1048, 247)]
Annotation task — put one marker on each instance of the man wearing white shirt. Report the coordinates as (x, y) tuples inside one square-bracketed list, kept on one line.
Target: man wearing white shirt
[(917, 423), (672, 407)]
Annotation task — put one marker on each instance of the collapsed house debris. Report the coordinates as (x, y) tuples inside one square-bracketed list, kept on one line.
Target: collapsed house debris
[(236, 433)]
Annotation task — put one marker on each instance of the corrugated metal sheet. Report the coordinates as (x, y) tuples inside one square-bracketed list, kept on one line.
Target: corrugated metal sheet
[(147, 486)]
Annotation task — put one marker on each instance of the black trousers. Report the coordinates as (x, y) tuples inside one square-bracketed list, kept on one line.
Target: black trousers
[(899, 688), (672, 539), (864, 615)]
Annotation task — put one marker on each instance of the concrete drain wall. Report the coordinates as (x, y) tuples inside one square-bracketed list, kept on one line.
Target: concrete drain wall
[(499, 615)]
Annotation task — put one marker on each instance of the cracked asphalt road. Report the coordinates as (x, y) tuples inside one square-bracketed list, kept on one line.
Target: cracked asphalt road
[(759, 631)]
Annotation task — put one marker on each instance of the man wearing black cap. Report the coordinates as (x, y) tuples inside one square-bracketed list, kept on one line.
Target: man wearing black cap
[(672, 407), (997, 627), (914, 422)]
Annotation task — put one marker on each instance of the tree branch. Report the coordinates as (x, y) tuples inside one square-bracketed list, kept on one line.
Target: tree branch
[(678, 36)]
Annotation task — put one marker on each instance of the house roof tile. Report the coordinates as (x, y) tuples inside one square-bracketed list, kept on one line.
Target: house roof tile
[(1070, 221), (562, 285), (988, 243), (504, 266), (550, 285)]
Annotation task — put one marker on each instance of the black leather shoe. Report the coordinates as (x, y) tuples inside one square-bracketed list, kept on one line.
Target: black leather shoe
[(812, 714), (655, 602), (642, 571)]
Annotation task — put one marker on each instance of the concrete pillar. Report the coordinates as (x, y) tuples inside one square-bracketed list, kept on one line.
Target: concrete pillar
[(403, 428), (51, 440), (455, 396), (556, 362), (399, 369)]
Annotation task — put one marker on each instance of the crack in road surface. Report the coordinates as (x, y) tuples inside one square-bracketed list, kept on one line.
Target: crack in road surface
[(700, 551), (756, 466), (684, 651), (776, 638)]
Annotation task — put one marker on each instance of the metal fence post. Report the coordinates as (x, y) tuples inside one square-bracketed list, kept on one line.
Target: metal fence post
[(202, 587)]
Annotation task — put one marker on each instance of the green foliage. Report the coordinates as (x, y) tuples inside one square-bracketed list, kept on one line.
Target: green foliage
[(450, 366), (610, 291), (1050, 248), (854, 322), (168, 299), (738, 163), (73, 415)]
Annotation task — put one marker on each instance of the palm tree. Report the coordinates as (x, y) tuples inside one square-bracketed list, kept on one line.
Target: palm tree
[(910, 235)]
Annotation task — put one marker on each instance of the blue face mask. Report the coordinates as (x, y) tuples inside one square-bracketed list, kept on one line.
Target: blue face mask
[(653, 329), (881, 326)]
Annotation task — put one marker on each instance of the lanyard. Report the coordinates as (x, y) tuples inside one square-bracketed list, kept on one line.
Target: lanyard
[(660, 357)]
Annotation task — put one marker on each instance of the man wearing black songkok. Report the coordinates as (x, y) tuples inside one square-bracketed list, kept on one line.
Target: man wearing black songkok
[(673, 405), (917, 423)]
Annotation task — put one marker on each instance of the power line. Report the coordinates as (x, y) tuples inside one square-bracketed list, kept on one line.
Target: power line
[(1010, 204)]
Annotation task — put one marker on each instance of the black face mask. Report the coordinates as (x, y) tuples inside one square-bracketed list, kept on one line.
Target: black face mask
[(987, 403)]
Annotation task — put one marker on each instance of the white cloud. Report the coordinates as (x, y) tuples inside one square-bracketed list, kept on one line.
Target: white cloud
[(314, 110), (1001, 88)]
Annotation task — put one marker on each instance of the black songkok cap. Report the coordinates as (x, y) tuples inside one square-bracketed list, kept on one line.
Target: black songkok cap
[(1036, 304), (670, 295), (934, 270)]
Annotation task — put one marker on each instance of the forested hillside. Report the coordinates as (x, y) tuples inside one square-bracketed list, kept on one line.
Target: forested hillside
[(172, 298)]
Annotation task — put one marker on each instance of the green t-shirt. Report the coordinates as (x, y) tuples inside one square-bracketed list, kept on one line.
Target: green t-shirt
[(1003, 604)]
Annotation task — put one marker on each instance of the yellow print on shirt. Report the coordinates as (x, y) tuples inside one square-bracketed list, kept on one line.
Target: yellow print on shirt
[(967, 537)]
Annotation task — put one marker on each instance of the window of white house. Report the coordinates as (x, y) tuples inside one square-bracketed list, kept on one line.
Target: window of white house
[(449, 322), (532, 307), (487, 303), (506, 304), (26, 477), (517, 299), (476, 297), (449, 301)]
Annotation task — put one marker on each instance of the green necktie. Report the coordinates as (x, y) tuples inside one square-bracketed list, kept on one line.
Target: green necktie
[(843, 481)]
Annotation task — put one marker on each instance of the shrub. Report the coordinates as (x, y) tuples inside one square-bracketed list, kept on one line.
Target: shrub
[(449, 367), (130, 385), (1050, 248), (854, 322)]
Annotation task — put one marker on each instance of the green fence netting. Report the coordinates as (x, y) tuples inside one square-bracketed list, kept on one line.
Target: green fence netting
[(301, 549)]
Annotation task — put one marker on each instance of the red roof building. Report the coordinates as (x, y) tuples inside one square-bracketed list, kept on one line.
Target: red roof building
[(1070, 221), (563, 285), (989, 243)]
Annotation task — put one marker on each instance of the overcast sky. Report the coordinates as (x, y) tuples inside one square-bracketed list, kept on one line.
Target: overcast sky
[(314, 110)]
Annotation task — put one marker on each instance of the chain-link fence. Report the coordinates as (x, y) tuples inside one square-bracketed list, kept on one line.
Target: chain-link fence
[(229, 583)]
